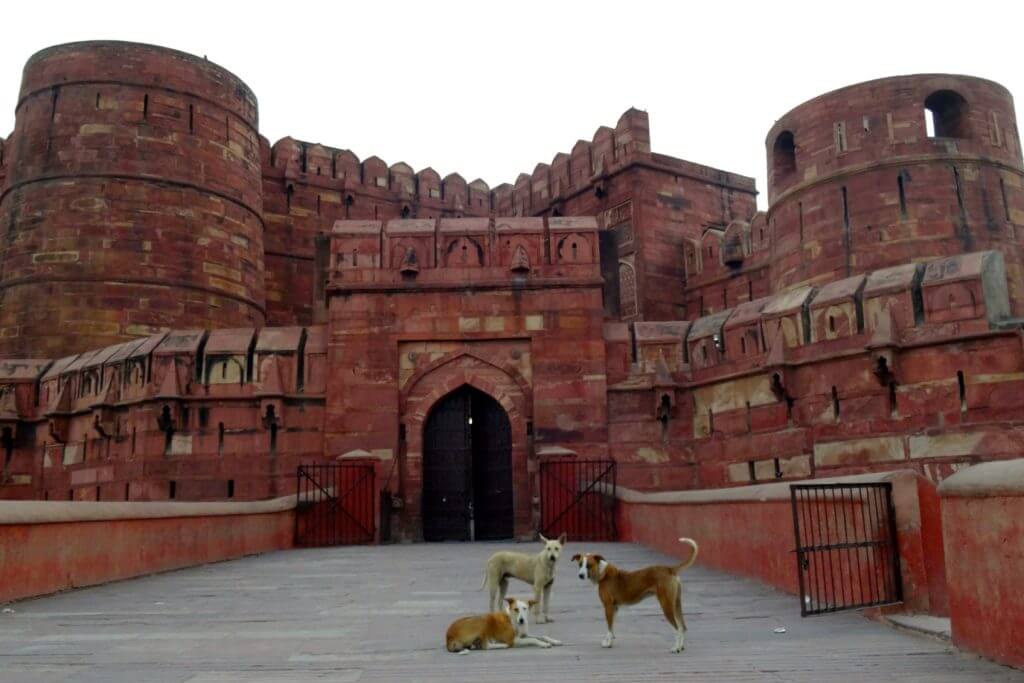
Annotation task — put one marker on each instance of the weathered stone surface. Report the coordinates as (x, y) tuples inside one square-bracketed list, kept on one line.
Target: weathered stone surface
[(858, 451), (122, 147), (333, 615), (615, 302)]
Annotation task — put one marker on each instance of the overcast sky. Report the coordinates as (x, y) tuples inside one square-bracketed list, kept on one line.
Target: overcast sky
[(490, 89)]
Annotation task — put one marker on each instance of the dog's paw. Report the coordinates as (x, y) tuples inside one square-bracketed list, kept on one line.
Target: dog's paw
[(607, 642), (464, 652), (548, 619), (554, 642), (545, 645)]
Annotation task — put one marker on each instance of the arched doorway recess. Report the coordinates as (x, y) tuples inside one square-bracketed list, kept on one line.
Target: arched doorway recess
[(467, 469)]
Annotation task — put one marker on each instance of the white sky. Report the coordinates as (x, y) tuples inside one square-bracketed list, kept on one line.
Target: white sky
[(489, 90)]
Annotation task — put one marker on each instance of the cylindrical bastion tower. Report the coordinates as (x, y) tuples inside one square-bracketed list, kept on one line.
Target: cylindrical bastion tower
[(892, 171), (132, 200)]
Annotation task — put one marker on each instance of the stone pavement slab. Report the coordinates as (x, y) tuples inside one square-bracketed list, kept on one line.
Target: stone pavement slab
[(348, 614), (938, 627)]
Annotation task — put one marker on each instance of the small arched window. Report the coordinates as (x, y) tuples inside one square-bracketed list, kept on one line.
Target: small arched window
[(784, 154), (945, 113)]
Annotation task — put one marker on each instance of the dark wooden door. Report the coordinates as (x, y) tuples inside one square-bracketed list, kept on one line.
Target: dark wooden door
[(492, 468), (467, 469), (447, 457)]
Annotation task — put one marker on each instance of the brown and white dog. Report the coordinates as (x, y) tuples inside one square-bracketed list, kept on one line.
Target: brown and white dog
[(497, 629), (617, 587), (537, 570)]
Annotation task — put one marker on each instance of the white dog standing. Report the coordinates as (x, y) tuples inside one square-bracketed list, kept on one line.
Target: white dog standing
[(537, 570)]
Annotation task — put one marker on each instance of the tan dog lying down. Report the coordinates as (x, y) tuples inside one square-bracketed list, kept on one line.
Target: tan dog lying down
[(537, 570), (497, 629), (618, 587)]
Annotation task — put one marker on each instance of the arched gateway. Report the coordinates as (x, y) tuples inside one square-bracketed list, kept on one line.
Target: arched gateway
[(467, 469)]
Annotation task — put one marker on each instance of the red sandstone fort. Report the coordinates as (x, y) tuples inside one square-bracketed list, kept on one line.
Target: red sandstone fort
[(189, 312)]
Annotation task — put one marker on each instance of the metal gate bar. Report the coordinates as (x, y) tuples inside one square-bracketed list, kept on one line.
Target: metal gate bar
[(577, 497), (846, 546), (335, 504)]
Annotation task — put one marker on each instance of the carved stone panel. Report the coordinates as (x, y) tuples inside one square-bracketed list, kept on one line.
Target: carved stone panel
[(628, 303)]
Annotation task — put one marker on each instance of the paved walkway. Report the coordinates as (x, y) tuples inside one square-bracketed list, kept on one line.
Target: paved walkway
[(379, 614)]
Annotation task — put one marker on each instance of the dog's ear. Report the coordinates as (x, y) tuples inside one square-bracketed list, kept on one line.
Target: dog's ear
[(598, 558), (542, 539), (531, 603), (575, 558), (562, 539), (511, 604)]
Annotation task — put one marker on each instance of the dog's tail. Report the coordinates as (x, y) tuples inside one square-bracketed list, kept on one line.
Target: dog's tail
[(693, 556)]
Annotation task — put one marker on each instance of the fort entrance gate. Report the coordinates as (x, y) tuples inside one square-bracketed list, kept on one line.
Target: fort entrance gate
[(467, 469)]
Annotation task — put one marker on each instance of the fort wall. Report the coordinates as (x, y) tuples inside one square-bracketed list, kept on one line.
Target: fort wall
[(510, 306), (901, 368), (222, 414), (649, 202), (739, 531), (984, 544), (50, 547), (857, 182), (132, 200), (189, 311)]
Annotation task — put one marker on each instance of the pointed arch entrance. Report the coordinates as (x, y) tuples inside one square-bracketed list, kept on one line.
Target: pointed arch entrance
[(467, 469)]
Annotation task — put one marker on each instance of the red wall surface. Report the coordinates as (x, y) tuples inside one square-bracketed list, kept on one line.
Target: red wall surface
[(749, 531), (148, 217), (983, 527), (47, 547), (749, 538)]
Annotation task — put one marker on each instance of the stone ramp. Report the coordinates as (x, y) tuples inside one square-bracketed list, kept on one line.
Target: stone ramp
[(336, 615)]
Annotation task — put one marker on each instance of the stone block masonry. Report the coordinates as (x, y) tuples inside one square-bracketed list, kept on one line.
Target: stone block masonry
[(188, 311), (132, 201), (982, 513)]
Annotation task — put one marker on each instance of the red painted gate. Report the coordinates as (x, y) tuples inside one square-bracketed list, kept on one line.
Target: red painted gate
[(335, 505), (577, 497)]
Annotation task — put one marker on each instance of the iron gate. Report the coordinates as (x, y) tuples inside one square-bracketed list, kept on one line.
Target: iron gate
[(846, 551), (335, 504), (577, 497)]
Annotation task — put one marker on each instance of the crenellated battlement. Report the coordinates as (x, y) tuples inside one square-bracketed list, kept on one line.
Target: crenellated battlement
[(609, 151), (308, 187), (176, 365), (589, 165), (223, 413), (915, 365), (342, 171), (916, 303)]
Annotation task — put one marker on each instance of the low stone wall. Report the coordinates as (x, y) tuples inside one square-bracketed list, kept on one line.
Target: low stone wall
[(47, 547), (749, 531), (983, 524)]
